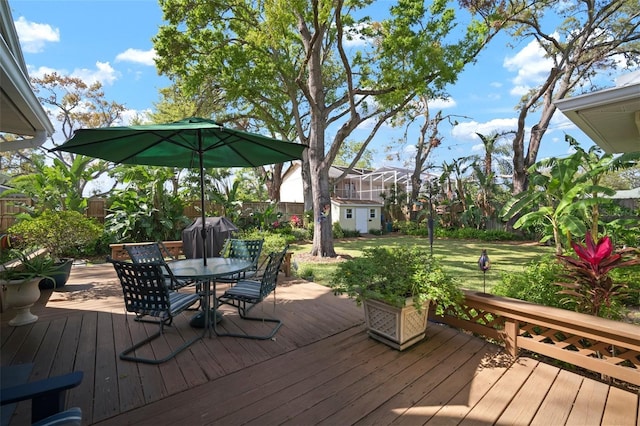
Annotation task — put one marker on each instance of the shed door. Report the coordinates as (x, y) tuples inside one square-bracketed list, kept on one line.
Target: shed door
[(362, 220)]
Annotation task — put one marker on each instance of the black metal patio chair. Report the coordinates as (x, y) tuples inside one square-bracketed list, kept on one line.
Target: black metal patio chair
[(146, 294), (153, 253), (242, 249), (246, 294)]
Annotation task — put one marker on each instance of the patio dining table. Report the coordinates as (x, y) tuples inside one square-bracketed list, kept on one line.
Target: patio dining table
[(216, 267)]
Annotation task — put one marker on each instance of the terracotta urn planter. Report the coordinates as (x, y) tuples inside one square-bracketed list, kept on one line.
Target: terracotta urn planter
[(21, 295)]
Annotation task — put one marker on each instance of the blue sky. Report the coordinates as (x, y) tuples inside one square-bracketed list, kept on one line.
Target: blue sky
[(110, 41)]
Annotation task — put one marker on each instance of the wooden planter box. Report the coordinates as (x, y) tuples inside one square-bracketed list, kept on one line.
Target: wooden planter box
[(396, 327)]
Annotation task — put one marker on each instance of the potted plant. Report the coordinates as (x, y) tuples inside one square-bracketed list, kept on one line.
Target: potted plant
[(20, 279), (64, 234), (396, 286)]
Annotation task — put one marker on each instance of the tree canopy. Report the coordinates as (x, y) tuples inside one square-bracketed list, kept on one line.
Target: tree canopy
[(299, 68)]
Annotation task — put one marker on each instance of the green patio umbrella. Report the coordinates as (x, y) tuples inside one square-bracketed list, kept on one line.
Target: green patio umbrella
[(193, 143)]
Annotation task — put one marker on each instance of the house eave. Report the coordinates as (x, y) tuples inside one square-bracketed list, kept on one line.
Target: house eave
[(20, 111), (610, 117)]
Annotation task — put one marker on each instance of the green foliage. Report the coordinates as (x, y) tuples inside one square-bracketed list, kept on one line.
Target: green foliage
[(301, 234), (273, 242), (338, 232), (306, 272), (535, 283), (393, 274), (348, 152), (146, 210), (419, 229), (565, 194), (631, 278), (267, 217), (62, 233)]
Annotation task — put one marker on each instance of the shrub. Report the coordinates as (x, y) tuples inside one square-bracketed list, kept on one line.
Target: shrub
[(393, 274), (64, 233), (536, 283), (337, 230), (306, 272), (273, 242)]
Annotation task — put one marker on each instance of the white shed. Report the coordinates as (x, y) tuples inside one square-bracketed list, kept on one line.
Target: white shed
[(359, 215)]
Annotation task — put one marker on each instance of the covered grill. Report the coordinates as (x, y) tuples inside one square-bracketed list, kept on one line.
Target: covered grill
[(218, 230)]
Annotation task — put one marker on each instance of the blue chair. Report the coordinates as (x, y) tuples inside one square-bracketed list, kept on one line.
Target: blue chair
[(48, 398)]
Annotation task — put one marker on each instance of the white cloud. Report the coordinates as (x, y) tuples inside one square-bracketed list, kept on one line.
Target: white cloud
[(519, 90), (33, 36), (468, 130), (41, 71), (531, 66), (103, 73), (144, 57), (438, 104)]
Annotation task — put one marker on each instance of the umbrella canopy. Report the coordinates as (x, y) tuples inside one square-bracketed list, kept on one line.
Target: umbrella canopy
[(194, 143)]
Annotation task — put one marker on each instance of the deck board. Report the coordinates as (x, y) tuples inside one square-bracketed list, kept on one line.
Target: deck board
[(321, 368)]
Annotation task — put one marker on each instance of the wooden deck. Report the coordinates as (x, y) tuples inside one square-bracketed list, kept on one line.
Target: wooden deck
[(320, 369)]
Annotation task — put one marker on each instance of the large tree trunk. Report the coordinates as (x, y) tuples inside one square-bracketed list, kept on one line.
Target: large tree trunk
[(322, 231), (306, 182), (274, 182), (318, 166)]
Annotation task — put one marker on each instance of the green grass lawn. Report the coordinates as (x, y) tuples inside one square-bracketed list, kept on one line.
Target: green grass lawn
[(460, 257)]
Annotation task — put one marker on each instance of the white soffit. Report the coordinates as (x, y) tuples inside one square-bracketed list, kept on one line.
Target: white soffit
[(610, 117)]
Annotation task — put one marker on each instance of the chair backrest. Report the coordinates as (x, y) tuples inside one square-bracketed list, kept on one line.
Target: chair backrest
[(244, 249), (145, 253), (270, 276), (144, 288)]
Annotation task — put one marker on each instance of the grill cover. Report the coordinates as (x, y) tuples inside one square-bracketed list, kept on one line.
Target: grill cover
[(218, 230)]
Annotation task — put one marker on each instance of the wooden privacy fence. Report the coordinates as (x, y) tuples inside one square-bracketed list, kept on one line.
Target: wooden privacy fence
[(97, 208), (607, 347), (9, 207)]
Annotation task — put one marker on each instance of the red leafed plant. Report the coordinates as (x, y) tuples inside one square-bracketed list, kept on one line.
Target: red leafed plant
[(588, 276)]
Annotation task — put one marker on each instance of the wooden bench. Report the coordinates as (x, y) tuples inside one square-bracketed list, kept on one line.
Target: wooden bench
[(118, 251)]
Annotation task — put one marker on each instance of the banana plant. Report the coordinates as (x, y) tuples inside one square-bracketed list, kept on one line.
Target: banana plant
[(565, 194)]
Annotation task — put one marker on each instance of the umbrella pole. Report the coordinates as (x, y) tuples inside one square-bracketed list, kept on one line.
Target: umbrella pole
[(202, 203)]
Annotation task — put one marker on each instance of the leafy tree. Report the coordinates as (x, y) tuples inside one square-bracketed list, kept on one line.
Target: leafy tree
[(592, 36), (484, 172), (59, 183), (349, 150), (429, 138), (287, 65), (252, 186), (54, 187), (227, 197)]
